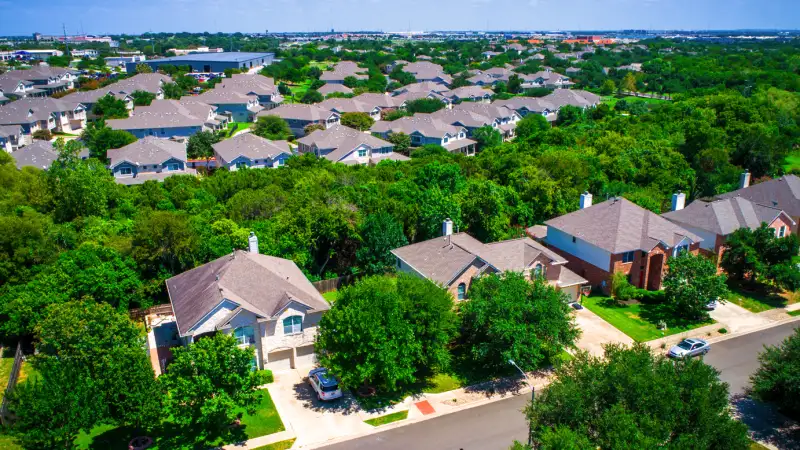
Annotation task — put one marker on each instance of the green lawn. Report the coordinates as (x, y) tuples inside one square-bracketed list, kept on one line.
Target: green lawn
[(298, 90), (638, 320), (5, 372), (265, 421), (331, 296), (282, 445), (389, 418), (442, 382), (756, 301), (8, 443), (794, 313), (235, 127), (792, 161)]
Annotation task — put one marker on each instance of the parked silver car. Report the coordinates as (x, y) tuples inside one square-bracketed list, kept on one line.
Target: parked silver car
[(689, 348), (324, 384)]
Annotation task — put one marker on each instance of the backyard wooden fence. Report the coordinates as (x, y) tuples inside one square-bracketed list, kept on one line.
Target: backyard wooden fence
[(334, 284), (139, 314), (12, 382)]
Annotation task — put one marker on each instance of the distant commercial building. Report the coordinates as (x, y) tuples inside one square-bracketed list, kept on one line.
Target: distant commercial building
[(191, 51), (210, 62)]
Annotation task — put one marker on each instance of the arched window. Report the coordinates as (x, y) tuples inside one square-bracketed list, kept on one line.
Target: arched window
[(462, 291), (293, 325), (539, 271)]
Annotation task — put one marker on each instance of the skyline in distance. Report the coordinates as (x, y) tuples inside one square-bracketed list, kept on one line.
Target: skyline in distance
[(110, 17)]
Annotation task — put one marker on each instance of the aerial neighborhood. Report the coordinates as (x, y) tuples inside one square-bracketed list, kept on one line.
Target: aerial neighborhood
[(293, 239)]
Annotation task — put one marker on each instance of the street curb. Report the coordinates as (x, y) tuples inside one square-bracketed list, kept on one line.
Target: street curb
[(754, 330), (407, 422)]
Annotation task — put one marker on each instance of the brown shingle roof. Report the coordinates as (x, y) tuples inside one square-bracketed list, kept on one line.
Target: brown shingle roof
[(783, 193), (725, 216), (618, 225)]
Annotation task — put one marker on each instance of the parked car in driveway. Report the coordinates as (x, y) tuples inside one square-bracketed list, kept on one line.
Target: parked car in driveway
[(712, 305), (688, 348), (324, 384)]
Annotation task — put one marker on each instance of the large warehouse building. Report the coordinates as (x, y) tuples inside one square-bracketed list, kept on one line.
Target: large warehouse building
[(210, 62)]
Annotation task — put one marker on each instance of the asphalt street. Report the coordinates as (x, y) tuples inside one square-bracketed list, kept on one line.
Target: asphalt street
[(496, 425)]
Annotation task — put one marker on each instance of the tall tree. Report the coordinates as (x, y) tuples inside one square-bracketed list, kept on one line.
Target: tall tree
[(110, 107), (142, 98), (99, 138), (486, 136), (358, 120), (691, 282), (201, 144), (776, 379), (635, 399), (380, 233), (272, 127)]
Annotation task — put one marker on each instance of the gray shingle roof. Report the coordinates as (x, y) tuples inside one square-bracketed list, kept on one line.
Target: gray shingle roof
[(147, 82), (39, 154), (329, 88), (248, 84), (28, 110), (618, 226), (250, 146), (166, 114), (342, 140), (425, 124), (10, 130), (783, 193), (149, 150), (258, 283), (311, 113), (725, 216)]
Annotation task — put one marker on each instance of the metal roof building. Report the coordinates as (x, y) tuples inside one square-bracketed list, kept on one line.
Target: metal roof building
[(209, 62)]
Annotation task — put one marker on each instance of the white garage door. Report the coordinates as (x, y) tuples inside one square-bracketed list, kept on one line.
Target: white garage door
[(280, 360), (305, 357)]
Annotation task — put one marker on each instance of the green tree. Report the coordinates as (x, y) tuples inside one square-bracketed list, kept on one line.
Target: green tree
[(424, 105), (207, 381), (311, 96), (510, 317), (775, 381), (691, 282), (568, 115), (142, 98), (635, 399), (80, 189), (201, 144), (483, 206), (380, 233), (284, 89), (486, 136), (514, 84), (164, 240), (358, 120), (272, 127), (629, 82), (416, 322), (59, 61), (608, 87), (173, 91), (143, 68), (99, 138), (756, 256), (42, 135), (531, 126), (401, 141), (312, 127), (110, 107)]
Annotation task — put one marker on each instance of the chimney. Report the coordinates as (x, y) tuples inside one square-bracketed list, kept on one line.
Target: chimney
[(678, 201), (447, 227), (586, 200), (253, 242), (744, 180)]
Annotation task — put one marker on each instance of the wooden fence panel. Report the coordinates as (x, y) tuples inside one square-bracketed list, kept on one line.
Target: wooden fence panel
[(12, 382), (334, 284)]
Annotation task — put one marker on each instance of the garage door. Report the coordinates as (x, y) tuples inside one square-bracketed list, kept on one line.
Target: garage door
[(280, 360), (305, 357)]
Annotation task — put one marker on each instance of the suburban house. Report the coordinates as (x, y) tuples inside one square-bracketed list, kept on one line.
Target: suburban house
[(248, 150), (351, 105), (468, 94), (782, 193), (300, 116), (46, 79), (549, 105), (421, 87), (123, 90), (262, 87), (473, 115), (330, 88), (149, 158), (349, 146), (39, 154), (714, 221), (617, 236), (43, 113), (547, 79), (342, 70), (427, 129), (241, 107), (454, 260), (263, 301), (382, 101), (10, 137), (427, 71), (171, 119)]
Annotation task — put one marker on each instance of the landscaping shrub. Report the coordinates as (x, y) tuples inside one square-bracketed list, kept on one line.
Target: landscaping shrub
[(43, 135), (723, 331), (266, 376)]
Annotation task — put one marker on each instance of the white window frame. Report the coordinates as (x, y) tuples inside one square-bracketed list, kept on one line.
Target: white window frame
[(362, 153), (628, 257), (294, 326), (781, 232), (243, 337), (125, 171)]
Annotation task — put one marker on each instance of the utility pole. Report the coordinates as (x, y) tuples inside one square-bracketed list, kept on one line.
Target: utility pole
[(66, 45)]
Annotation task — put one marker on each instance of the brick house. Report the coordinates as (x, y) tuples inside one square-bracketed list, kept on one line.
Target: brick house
[(618, 236), (782, 193), (263, 301), (714, 221), (454, 260)]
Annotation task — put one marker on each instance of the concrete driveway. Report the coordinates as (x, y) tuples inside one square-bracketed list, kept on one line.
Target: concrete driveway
[(737, 319), (596, 332), (313, 421)]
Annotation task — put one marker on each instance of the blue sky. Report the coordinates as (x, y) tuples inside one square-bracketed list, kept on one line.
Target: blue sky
[(136, 16)]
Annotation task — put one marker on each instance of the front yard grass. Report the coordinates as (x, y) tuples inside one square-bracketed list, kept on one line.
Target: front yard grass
[(792, 161), (639, 320), (8, 443), (5, 373), (442, 382), (756, 301), (235, 127), (265, 421), (389, 418), (282, 445)]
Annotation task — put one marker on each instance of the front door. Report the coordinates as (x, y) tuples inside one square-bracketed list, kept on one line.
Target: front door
[(655, 272)]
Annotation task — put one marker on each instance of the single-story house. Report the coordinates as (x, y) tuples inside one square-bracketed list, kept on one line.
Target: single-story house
[(149, 158), (248, 150), (171, 119), (349, 146), (300, 116)]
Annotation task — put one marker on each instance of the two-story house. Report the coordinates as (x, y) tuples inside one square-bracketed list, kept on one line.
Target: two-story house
[(426, 129), (43, 113), (263, 301), (352, 105), (455, 260), (10, 137), (342, 70), (262, 87), (248, 150), (618, 236), (149, 158), (349, 146), (473, 115), (171, 119), (240, 106), (300, 116), (427, 71), (13, 88), (39, 154), (714, 221), (46, 79), (782, 193)]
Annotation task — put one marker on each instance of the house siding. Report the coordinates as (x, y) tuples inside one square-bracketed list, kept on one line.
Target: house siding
[(580, 248)]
